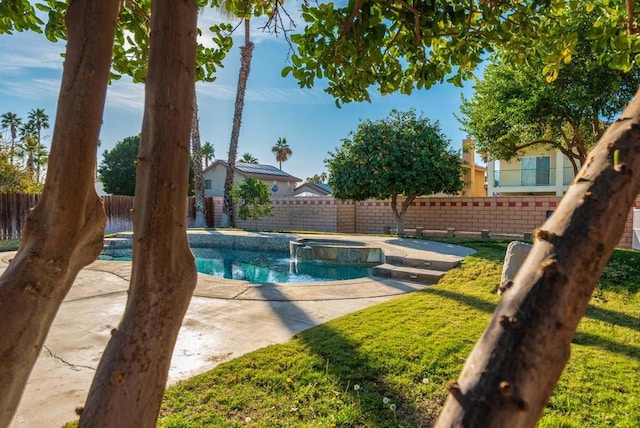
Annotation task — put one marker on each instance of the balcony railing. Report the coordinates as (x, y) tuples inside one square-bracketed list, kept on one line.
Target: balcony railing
[(531, 177)]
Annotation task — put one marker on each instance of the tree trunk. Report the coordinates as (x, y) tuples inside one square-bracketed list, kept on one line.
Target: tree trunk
[(200, 207), (64, 231), (129, 383), (399, 215), (246, 53), (513, 369)]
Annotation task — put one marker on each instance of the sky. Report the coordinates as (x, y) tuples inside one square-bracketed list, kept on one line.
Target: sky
[(275, 107)]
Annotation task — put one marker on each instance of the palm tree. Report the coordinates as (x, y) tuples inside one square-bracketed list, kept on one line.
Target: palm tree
[(208, 153), (243, 10), (317, 178), (282, 151), (29, 147), (12, 122), (248, 158), (40, 119), (200, 206)]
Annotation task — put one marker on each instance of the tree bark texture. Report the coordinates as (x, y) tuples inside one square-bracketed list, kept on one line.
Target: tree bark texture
[(129, 383), (399, 215), (64, 232), (246, 52), (200, 207), (511, 372)]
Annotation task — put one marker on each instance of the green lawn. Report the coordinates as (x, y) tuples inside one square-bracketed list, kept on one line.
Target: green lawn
[(9, 245), (388, 365)]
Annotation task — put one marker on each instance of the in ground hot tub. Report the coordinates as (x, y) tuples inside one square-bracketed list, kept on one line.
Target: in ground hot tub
[(339, 251)]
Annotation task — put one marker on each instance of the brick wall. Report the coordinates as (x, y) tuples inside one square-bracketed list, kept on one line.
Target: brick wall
[(505, 215), (510, 215), (299, 213), (497, 214), (347, 217)]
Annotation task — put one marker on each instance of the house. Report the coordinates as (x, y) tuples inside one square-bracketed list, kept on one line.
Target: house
[(312, 189), (473, 175), (537, 172), (280, 183)]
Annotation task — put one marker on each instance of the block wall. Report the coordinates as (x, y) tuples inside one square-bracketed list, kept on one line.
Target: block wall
[(503, 215), (346, 217), (496, 214), (299, 213)]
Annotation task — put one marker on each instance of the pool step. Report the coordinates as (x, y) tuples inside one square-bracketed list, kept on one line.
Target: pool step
[(388, 270), (443, 265), (117, 243)]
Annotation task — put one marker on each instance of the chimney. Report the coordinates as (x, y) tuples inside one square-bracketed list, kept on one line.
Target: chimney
[(468, 152)]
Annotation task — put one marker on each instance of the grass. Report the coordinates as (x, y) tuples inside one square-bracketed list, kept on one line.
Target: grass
[(387, 366), (9, 245)]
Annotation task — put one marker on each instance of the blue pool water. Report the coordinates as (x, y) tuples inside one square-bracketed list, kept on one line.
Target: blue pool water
[(259, 266)]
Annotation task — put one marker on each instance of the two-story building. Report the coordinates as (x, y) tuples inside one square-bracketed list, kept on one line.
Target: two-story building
[(538, 172), (280, 183)]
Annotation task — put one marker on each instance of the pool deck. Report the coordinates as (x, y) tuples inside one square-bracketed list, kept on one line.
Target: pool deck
[(226, 319)]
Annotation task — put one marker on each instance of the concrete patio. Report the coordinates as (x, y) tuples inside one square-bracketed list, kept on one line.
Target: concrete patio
[(226, 319)]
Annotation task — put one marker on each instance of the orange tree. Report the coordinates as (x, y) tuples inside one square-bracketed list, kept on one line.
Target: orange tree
[(401, 155)]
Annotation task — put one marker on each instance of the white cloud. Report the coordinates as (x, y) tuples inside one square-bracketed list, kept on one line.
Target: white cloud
[(126, 94), (265, 94), (30, 89), (29, 51)]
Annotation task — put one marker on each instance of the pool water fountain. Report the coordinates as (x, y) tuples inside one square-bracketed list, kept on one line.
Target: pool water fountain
[(337, 251)]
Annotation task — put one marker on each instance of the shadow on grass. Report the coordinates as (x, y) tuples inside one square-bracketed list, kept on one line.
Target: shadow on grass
[(613, 317), (587, 339), (363, 380), (350, 366), (465, 299), (581, 338)]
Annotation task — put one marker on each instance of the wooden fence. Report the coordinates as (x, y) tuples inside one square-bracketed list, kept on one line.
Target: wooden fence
[(13, 214), (14, 209)]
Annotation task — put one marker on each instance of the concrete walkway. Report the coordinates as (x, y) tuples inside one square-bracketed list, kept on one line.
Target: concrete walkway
[(226, 319)]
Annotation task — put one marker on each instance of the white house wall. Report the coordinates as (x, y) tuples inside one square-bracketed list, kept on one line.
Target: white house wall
[(217, 176)]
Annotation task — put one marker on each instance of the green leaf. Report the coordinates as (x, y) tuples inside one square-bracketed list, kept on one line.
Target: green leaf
[(285, 71)]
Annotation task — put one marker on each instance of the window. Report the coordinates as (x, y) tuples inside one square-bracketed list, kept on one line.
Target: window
[(536, 171), (207, 184)]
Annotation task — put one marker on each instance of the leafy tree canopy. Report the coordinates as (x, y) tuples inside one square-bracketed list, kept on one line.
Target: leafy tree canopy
[(131, 44), (516, 107), (253, 199), (14, 178), (400, 46), (18, 15), (403, 154), (117, 169)]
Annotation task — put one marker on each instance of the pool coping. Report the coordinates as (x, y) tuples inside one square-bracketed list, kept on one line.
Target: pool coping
[(365, 287), (209, 286)]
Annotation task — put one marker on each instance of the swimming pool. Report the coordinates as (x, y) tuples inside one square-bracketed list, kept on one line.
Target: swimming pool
[(261, 266)]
